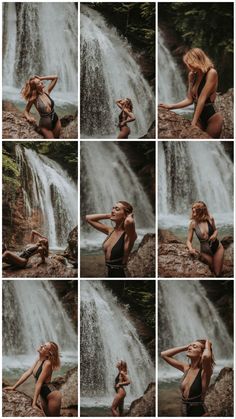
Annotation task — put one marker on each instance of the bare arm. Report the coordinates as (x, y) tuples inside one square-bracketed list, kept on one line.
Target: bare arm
[(186, 102), (23, 378), (209, 88), (168, 357), (130, 117), (46, 371), (125, 380), (190, 239), (52, 83), (129, 226), (94, 221), (26, 113), (206, 358), (34, 234), (120, 103)]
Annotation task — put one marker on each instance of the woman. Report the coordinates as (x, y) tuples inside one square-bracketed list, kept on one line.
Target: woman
[(202, 87), (120, 239), (42, 369), (121, 380), (36, 93), (125, 116), (203, 224), (20, 260), (196, 376)]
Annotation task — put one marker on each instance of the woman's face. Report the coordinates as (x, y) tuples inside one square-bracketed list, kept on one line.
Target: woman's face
[(39, 85), (44, 348), (194, 350), (118, 212), (195, 209)]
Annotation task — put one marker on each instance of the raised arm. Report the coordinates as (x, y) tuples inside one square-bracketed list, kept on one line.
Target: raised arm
[(190, 239), (129, 226), (52, 83), (129, 116), (26, 112), (22, 379), (34, 234), (125, 379), (94, 221), (120, 103), (207, 358), (170, 353), (46, 371), (209, 88)]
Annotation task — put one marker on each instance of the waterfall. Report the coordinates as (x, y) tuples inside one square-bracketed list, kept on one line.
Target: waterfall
[(192, 171), (106, 177), (171, 87), (187, 314), (40, 38), (49, 193), (108, 73), (32, 315), (107, 336)]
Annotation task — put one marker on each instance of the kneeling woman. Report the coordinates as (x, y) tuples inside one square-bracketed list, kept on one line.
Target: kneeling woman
[(203, 224), (197, 375), (47, 362), (36, 93), (120, 239)]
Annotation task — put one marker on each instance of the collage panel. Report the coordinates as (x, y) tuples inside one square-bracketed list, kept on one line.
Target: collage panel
[(117, 206), (40, 70), (40, 348), (195, 345), (117, 70), (196, 209), (117, 348), (195, 70), (40, 209)]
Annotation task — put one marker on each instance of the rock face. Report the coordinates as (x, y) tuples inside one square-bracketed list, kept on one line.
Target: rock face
[(71, 252), (141, 263), (151, 134), (225, 104), (174, 260), (16, 403), (69, 389), (171, 125), (145, 405), (220, 396)]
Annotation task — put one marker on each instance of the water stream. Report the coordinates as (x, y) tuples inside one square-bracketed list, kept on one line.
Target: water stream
[(108, 73)]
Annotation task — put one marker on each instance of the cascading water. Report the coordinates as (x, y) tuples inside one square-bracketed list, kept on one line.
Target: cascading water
[(108, 73), (171, 87), (107, 336), (187, 314), (50, 193), (33, 314), (106, 177), (192, 171), (40, 38)]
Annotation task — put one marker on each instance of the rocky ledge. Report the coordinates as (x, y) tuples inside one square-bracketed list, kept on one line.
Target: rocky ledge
[(141, 263), (220, 396), (145, 405), (16, 403), (174, 260)]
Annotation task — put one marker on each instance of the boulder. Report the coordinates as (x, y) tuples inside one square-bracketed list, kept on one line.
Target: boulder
[(225, 104), (16, 403), (151, 134), (142, 262), (145, 405), (71, 252), (174, 126), (69, 389), (220, 395)]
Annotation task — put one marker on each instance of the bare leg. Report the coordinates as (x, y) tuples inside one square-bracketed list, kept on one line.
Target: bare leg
[(47, 133), (214, 126), (54, 404), (12, 259), (208, 259), (121, 407), (124, 133), (44, 406), (218, 260), (116, 402), (57, 129)]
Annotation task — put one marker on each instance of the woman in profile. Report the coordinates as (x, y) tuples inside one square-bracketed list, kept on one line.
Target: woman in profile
[(42, 370), (121, 380), (36, 93), (203, 224), (196, 374), (125, 117), (202, 87), (120, 239)]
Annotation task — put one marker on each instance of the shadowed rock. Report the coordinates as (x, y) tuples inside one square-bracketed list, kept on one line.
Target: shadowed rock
[(220, 397), (141, 263), (145, 405), (16, 403)]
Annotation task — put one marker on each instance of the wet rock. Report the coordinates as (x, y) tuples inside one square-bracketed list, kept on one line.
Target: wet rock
[(225, 104), (151, 134), (16, 403), (70, 131), (71, 252), (172, 125), (69, 389), (145, 405), (220, 398), (142, 262)]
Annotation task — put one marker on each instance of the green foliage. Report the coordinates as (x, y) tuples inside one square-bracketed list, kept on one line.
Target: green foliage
[(10, 176)]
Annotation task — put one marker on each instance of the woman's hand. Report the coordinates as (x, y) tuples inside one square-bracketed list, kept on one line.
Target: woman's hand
[(193, 251), (165, 106), (9, 388), (35, 406), (213, 237), (31, 119)]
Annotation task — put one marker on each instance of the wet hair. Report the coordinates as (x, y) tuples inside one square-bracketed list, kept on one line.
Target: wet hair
[(129, 104), (202, 213), (127, 207), (123, 366), (29, 91), (197, 59), (203, 342), (53, 356)]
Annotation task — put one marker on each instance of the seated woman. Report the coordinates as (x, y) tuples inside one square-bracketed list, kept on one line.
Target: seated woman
[(20, 260), (36, 93)]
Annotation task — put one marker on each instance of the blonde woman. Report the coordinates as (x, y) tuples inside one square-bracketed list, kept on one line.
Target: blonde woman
[(42, 370), (197, 374), (121, 380), (36, 93), (125, 116), (203, 224), (202, 87)]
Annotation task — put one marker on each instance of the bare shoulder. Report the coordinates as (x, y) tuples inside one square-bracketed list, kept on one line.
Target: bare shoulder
[(192, 224), (47, 364), (212, 74), (211, 218)]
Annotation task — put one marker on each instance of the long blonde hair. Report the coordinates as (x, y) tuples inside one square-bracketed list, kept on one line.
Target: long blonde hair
[(53, 356), (197, 59), (29, 90), (202, 213)]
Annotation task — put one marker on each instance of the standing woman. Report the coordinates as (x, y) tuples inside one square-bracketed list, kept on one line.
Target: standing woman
[(202, 87), (42, 370), (120, 239), (197, 374), (121, 380), (211, 249), (125, 116), (36, 93)]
